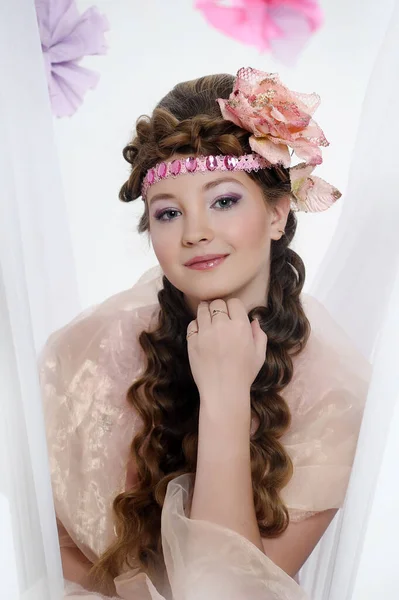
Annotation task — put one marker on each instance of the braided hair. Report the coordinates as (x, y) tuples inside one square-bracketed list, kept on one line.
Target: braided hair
[(187, 121)]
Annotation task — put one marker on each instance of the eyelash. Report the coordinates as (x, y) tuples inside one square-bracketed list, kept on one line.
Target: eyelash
[(234, 200)]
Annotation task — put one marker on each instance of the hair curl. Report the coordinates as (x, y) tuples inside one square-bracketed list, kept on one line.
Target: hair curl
[(187, 121)]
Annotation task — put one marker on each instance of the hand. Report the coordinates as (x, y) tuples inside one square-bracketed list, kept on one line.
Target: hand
[(228, 351)]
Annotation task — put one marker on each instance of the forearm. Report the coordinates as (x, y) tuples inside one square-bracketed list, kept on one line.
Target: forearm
[(75, 566), (223, 485)]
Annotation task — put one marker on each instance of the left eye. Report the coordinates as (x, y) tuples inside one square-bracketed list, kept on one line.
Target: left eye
[(226, 202)]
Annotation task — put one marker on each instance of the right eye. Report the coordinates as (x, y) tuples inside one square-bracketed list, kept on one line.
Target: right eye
[(166, 215)]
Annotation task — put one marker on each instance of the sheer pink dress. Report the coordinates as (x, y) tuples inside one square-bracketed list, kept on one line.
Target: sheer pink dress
[(86, 369)]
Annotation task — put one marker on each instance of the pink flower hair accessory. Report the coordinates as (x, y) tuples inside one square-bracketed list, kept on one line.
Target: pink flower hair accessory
[(311, 193), (279, 119)]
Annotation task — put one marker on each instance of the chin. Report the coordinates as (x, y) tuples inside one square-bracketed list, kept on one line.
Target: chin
[(206, 287), (209, 292)]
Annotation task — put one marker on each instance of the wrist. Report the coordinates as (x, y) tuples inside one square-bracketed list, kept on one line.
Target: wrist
[(235, 390), (228, 407), (224, 437)]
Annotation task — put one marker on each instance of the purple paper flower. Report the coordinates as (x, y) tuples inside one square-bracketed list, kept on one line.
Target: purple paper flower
[(67, 37)]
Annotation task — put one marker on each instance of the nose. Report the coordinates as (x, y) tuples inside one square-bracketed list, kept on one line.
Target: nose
[(197, 230)]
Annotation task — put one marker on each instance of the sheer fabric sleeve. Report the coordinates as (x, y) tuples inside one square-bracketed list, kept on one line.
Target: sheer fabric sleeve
[(86, 369), (74, 591), (203, 562), (326, 397), (206, 561)]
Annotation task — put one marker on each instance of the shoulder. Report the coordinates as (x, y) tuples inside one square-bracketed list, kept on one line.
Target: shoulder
[(105, 335), (329, 337), (326, 397), (87, 366), (330, 361), (86, 369)]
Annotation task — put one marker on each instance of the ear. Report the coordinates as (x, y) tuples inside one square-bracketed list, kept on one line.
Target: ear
[(280, 212)]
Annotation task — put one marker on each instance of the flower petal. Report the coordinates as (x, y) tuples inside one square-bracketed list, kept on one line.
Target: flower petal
[(228, 112), (307, 151), (68, 86), (274, 153), (312, 194)]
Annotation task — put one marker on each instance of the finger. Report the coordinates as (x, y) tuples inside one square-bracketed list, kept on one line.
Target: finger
[(203, 316), (192, 329), (218, 309), (260, 338), (237, 309)]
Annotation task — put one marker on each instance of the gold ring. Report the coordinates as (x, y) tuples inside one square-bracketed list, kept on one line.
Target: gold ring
[(218, 310), (191, 333)]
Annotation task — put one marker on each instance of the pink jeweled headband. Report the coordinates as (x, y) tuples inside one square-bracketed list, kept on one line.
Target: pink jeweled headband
[(278, 120), (202, 164)]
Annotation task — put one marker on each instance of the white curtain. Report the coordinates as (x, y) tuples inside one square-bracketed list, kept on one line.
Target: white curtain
[(358, 282), (38, 293)]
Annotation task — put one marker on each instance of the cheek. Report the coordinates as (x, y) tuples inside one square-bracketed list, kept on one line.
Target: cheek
[(253, 230), (164, 248), (261, 229)]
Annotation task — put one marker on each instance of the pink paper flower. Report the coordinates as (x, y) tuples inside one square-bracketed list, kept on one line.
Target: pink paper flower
[(67, 37), (277, 117), (280, 26)]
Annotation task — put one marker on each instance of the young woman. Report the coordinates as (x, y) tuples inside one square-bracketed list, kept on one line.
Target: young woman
[(202, 425)]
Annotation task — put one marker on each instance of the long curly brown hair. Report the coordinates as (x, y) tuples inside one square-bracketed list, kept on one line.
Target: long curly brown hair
[(188, 121)]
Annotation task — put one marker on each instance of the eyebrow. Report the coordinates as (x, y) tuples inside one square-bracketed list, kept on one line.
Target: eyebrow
[(208, 186)]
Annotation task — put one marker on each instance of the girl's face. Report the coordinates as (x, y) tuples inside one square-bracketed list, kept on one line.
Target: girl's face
[(219, 213)]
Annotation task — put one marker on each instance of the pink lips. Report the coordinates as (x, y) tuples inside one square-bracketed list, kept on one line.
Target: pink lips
[(204, 258), (205, 262)]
